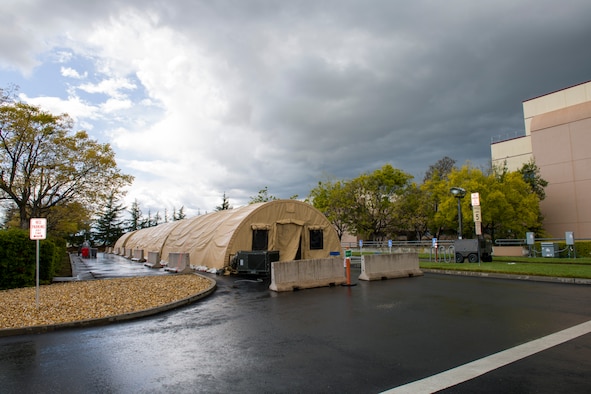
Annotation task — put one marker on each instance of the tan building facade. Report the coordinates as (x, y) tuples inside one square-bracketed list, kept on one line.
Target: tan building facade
[(558, 138)]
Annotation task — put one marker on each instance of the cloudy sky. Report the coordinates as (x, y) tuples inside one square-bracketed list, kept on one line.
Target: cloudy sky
[(198, 98)]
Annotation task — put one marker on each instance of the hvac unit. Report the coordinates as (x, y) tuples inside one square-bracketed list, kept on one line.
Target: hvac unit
[(256, 262)]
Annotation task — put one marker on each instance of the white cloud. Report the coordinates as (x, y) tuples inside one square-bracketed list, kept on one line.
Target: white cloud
[(114, 105), (73, 106), (111, 87), (71, 73)]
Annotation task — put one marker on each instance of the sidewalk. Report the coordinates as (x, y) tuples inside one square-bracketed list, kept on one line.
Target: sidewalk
[(80, 270)]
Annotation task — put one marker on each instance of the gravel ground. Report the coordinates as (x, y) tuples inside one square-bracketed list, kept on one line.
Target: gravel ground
[(75, 301)]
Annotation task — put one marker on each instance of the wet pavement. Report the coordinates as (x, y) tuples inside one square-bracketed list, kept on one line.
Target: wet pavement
[(363, 339), (110, 266)]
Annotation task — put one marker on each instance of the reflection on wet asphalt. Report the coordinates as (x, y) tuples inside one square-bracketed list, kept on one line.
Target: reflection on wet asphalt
[(112, 266)]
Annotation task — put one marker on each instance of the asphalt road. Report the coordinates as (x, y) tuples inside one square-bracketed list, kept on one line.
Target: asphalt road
[(368, 338)]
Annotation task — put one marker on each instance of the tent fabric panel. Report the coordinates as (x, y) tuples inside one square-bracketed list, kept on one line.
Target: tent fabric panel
[(121, 243), (206, 237), (152, 239)]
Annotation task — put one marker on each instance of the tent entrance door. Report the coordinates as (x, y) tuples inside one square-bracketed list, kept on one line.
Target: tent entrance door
[(288, 240)]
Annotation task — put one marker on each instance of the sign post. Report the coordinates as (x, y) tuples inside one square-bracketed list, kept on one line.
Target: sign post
[(434, 246), (37, 231)]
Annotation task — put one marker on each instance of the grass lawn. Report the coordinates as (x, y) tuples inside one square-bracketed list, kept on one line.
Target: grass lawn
[(556, 267)]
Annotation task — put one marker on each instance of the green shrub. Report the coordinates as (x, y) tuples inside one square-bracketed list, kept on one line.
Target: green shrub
[(583, 249), (18, 259)]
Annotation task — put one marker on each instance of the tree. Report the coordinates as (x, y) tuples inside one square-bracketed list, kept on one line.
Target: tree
[(509, 208), (470, 179), (136, 219), (330, 198), (375, 197), (67, 220), (151, 221), (531, 175), (225, 204), (157, 219), (434, 190), (263, 196), (415, 211), (441, 169), (109, 226), (10, 219), (514, 209), (43, 165), (178, 215)]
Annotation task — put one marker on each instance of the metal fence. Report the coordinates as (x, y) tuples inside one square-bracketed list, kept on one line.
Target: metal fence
[(444, 250)]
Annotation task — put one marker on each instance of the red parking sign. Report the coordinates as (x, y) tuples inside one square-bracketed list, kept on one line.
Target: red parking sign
[(37, 228)]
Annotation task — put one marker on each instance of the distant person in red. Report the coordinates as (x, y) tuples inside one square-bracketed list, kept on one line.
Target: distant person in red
[(85, 250)]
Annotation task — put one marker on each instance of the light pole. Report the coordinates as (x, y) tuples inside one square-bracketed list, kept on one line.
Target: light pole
[(459, 193)]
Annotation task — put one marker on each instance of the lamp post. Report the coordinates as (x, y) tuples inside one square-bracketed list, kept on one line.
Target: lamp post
[(459, 193)]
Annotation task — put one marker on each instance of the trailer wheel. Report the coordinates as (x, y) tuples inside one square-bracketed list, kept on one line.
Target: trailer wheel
[(459, 258), (473, 258)]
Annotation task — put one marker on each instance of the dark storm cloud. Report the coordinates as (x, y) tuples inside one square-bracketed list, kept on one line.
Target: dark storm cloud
[(343, 87)]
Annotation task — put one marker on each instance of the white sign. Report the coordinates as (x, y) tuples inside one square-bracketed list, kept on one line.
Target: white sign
[(475, 199), (477, 213), (37, 228), (478, 228)]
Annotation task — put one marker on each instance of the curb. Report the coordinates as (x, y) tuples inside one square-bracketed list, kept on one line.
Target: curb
[(534, 278), (5, 332)]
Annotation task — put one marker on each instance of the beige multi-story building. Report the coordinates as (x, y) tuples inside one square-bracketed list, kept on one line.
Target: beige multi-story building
[(558, 137)]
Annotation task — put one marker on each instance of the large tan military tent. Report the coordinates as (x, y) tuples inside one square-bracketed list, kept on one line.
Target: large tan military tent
[(296, 229), (119, 247)]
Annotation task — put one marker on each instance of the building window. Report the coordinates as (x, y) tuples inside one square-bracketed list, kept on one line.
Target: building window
[(260, 239), (316, 239)]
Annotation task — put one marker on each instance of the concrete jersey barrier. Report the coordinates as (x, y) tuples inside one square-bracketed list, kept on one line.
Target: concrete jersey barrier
[(153, 260), (305, 274), (179, 263), (389, 266), (138, 255)]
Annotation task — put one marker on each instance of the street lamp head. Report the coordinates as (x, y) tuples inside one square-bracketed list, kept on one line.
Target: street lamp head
[(458, 192)]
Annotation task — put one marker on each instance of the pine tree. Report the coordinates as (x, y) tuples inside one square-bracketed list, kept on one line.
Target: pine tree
[(225, 204), (136, 221), (179, 215), (109, 226)]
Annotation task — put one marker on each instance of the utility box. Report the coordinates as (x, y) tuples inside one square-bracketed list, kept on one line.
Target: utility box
[(255, 262), (471, 249), (549, 249)]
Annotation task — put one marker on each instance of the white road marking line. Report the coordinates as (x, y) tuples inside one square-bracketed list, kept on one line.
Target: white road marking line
[(479, 367)]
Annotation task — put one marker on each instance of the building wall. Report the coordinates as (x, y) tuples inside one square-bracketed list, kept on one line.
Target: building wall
[(558, 126), (512, 153)]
